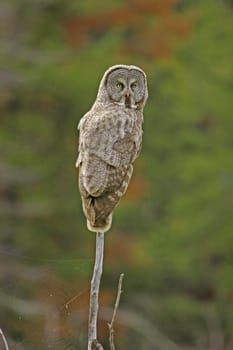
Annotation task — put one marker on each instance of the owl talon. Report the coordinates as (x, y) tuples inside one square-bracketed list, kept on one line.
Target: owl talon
[(103, 228)]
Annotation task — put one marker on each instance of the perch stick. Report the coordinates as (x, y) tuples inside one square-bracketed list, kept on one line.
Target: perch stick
[(4, 339), (94, 294)]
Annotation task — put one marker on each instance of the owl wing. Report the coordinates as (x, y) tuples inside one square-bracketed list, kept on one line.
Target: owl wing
[(96, 153), (97, 137), (106, 150)]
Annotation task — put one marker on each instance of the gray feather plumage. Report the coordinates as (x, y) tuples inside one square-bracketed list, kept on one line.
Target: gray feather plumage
[(109, 142)]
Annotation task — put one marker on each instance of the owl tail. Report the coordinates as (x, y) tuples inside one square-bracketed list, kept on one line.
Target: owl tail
[(99, 218)]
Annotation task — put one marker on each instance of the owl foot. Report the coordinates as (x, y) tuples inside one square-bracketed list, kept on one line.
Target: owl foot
[(104, 227)]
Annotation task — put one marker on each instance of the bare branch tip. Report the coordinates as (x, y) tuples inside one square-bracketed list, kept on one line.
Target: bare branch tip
[(4, 339)]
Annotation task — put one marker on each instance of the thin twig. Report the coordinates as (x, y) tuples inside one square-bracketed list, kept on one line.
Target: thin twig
[(111, 325), (93, 343), (4, 339)]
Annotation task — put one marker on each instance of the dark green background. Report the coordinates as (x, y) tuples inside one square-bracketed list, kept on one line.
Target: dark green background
[(172, 234)]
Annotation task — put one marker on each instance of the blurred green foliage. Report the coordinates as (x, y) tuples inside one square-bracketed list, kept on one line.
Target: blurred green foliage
[(172, 233)]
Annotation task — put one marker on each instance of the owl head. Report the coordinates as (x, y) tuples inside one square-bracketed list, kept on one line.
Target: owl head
[(125, 86)]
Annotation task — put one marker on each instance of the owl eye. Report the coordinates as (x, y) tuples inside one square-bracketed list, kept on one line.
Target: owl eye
[(133, 86), (119, 85)]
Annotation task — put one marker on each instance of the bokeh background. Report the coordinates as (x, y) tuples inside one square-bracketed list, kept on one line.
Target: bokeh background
[(172, 234)]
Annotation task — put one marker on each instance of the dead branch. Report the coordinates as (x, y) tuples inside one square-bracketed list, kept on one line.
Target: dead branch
[(93, 343), (4, 339), (111, 325)]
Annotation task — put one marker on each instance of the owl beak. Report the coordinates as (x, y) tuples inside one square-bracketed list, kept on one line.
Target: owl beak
[(127, 100)]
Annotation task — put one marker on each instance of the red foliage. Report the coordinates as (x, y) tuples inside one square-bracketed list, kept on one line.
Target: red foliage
[(136, 189), (150, 27), (120, 246)]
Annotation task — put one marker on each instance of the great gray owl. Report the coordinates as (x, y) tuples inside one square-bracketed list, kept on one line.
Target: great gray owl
[(109, 142)]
